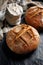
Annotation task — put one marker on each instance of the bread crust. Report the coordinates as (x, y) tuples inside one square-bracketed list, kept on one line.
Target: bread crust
[(22, 39), (34, 17)]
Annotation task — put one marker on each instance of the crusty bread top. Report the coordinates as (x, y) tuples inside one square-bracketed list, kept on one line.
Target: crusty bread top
[(22, 30), (21, 37), (34, 16), (33, 11)]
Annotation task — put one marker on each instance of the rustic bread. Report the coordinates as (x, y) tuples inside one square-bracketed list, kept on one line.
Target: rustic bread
[(22, 39), (34, 17)]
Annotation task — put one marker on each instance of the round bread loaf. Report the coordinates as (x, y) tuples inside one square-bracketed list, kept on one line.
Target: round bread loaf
[(22, 39), (34, 17)]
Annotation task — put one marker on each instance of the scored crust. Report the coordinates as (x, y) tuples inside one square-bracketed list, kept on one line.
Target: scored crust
[(22, 39), (34, 16)]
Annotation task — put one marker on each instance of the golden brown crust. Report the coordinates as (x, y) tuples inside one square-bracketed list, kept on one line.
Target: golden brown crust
[(24, 40), (34, 17)]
